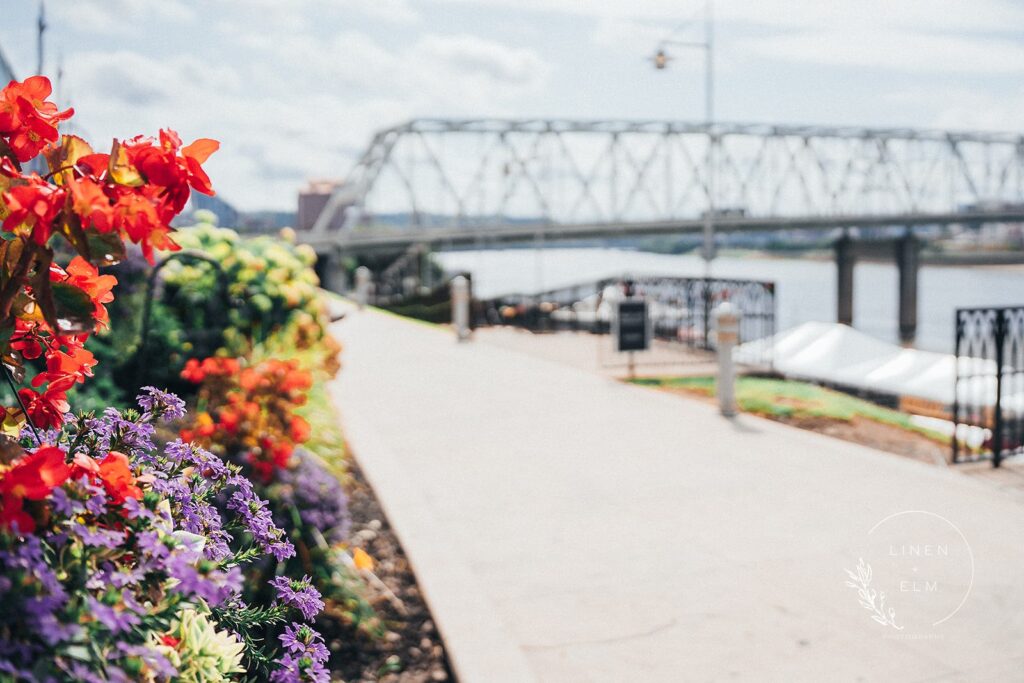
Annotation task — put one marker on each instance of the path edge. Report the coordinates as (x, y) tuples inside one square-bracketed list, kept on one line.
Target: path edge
[(479, 646)]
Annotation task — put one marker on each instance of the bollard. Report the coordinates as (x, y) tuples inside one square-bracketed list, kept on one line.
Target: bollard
[(460, 307), (363, 277), (727, 332)]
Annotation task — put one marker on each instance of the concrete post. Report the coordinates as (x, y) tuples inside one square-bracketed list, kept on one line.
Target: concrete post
[(845, 261), (727, 332), (363, 281), (908, 262), (460, 307)]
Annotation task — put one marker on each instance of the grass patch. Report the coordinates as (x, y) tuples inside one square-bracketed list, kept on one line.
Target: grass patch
[(789, 399)]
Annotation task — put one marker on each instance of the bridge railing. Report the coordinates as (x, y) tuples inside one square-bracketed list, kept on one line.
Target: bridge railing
[(680, 308)]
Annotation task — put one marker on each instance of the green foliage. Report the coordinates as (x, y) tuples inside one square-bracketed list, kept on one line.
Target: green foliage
[(791, 399), (270, 283)]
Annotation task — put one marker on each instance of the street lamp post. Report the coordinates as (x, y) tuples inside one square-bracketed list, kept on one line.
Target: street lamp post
[(661, 60)]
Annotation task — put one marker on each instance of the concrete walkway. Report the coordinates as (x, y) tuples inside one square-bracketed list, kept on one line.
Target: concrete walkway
[(566, 527)]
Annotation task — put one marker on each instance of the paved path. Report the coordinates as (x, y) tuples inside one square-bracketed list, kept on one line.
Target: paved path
[(565, 527)]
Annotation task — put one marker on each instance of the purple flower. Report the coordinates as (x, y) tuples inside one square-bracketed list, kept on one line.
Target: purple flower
[(116, 620), (65, 505), (97, 538), (156, 661), (215, 586), (162, 404), (259, 522), (316, 494), (293, 669), (301, 639), (298, 594), (136, 509)]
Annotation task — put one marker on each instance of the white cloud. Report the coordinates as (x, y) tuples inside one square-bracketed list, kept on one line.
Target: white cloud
[(890, 49), (478, 57), (109, 16)]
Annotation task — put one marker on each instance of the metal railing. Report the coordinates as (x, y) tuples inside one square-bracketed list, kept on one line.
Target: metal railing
[(680, 307), (988, 405)]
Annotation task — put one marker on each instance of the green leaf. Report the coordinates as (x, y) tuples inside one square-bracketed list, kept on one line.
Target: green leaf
[(73, 309), (105, 249)]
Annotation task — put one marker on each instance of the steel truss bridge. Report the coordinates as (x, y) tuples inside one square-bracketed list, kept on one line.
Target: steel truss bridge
[(443, 182)]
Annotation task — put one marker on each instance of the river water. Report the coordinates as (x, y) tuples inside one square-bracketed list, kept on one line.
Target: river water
[(805, 289)]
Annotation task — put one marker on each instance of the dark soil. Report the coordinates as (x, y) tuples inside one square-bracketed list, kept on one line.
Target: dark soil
[(411, 650), (884, 437), (878, 435)]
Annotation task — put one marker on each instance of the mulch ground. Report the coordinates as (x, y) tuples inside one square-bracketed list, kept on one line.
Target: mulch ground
[(411, 650), (860, 430)]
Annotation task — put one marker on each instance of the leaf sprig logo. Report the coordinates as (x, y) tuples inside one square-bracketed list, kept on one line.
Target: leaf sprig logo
[(871, 599)]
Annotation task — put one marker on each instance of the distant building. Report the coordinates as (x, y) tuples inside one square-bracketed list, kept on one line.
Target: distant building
[(312, 201)]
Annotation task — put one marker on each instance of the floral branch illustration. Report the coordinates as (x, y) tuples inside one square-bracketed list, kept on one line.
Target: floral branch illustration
[(869, 598)]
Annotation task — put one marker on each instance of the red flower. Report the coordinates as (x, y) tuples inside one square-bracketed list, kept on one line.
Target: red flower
[(27, 119), (27, 339), (161, 164), (46, 410), (193, 371), (117, 477), (34, 205), (31, 478)]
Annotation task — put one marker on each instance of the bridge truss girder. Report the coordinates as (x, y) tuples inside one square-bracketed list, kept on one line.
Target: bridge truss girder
[(434, 174)]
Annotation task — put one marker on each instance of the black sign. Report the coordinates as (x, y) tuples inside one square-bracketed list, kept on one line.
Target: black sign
[(632, 326)]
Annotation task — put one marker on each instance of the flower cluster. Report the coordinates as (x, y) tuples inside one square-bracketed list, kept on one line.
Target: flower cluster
[(117, 561), (250, 411), (271, 279), (93, 201), (315, 493)]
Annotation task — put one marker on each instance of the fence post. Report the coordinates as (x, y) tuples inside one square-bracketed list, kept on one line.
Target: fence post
[(460, 307), (727, 327), (997, 428), (363, 277)]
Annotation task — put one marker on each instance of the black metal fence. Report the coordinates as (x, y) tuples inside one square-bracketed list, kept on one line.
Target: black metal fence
[(680, 307), (988, 406)]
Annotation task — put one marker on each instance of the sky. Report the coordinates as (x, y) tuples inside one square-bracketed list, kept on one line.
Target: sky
[(295, 89)]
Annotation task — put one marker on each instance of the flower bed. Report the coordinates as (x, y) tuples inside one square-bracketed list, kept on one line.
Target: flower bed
[(122, 555)]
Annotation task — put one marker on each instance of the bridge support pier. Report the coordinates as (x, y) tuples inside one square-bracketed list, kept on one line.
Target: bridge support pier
[(846, 259), (908, 263), (906, 251), (332, 272)]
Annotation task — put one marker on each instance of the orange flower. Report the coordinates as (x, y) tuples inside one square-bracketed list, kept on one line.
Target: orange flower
[(204, 425), (91, 204), (299, 429), (85, 276), (116, 474)]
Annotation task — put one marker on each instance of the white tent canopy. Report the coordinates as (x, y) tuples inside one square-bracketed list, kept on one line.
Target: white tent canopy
[(838, 354)]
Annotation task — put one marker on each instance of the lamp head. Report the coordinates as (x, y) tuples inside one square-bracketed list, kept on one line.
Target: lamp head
[(660, 59)]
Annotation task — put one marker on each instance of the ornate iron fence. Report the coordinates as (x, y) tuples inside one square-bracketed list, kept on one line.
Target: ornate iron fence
[(988, 405), (680, 307)]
